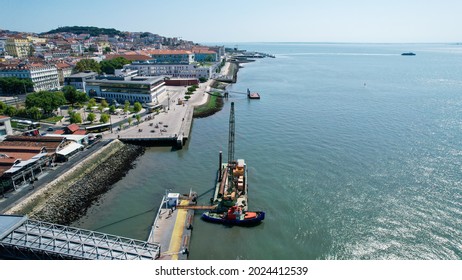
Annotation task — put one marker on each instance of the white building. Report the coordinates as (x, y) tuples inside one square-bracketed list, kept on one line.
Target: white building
[(147, 68), (44, 77), (78, 80)]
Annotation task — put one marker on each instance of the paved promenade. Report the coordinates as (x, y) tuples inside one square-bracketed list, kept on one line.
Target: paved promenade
[(171, 124)]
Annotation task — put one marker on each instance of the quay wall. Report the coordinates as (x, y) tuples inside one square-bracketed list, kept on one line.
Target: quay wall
[(67, 198)]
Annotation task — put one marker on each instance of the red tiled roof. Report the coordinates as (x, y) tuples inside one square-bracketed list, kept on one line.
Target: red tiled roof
[(7, 161), (59, 131), (73, 127), (168, 52), (7, 149), (63, 65), (80, 132), (204, 51)]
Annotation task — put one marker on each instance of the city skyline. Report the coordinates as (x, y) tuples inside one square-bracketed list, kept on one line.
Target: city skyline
[(256, 21)]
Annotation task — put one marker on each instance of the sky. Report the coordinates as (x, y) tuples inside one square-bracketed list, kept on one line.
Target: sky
[(373, 21)]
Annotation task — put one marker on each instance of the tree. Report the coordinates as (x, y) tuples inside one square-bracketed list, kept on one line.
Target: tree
[(107, 49), (112, 109), (91, 103), (129, 120), (74, 96), (137, 107), (109, 66), (104, 118), (2, 107), (138, 118), (126, 106), (46, 100), (33, 113), (202, 79), (88, 64), (91, 117), (104, 103), (13, 85), (10, 111), (75, 117)]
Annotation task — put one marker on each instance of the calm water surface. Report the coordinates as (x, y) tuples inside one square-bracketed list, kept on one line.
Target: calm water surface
[(354, 152)]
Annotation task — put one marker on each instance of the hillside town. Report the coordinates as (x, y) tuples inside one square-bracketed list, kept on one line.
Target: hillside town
[(118, 74)]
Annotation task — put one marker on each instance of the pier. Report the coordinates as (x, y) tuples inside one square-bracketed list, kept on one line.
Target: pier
[(173, 225), (169, 126)]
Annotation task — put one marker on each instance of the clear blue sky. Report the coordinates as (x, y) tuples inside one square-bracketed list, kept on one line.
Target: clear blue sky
[(387, 21)]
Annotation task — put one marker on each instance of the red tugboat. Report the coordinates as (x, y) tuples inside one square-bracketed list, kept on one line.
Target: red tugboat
[(235, 216), (252, 95)]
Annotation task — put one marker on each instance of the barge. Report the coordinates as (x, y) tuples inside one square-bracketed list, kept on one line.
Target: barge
[(253, 95), (231, 187)]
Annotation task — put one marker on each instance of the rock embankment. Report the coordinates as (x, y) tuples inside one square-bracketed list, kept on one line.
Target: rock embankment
[(67, 198)]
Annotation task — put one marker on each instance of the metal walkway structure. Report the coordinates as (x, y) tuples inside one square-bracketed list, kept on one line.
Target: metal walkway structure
[(22, 238)]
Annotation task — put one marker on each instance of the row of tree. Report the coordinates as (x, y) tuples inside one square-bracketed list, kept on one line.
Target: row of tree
[(105, 66), (42, 104), (13, 85)]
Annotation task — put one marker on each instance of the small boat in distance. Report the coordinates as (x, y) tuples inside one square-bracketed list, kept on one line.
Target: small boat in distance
[(234, 216), (408, 53), (252, 95)]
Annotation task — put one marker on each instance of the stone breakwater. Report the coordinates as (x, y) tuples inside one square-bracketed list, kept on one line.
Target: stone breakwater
[(66, 199)]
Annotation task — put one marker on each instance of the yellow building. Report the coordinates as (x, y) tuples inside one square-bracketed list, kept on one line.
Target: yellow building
[(17, 47)]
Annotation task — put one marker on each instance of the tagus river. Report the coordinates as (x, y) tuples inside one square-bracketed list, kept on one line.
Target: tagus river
[(355, 152)]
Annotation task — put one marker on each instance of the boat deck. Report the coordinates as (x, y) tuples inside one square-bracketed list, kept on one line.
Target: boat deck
[(223, 185)]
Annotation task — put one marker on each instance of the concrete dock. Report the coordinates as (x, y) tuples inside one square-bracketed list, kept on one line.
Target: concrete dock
[(170, 126), (172, 229)]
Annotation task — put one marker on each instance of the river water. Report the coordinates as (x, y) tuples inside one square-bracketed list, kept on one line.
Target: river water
[(354, 152)]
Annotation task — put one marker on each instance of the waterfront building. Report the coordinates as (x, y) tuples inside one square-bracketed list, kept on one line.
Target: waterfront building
[(203, 55), (184, 70), (79, 80), (44, 77), (119, 89), (17, 47)]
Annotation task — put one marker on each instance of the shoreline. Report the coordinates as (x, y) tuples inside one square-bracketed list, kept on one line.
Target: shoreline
[(66, 199), (213, 104)]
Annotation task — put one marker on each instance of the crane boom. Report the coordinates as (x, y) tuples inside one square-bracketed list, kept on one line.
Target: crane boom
[(231, 135)]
